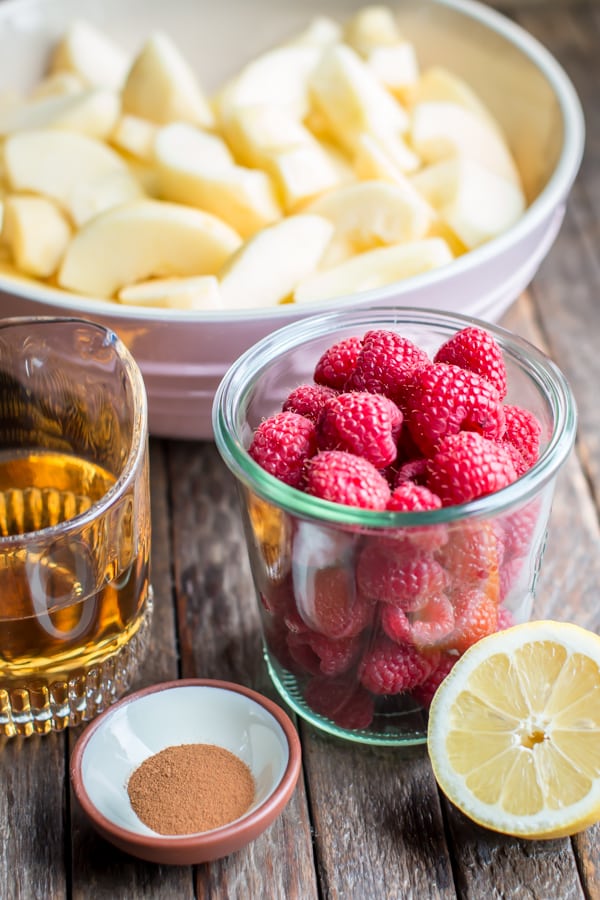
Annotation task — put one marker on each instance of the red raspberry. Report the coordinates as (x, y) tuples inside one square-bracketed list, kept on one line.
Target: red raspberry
[(328, 602), (308, 400), (415, 470), (516, 457), (472, 556), (321, 655), (282, 444), (523, 431), (446, 399), (466, 466), (423, 693), (509, 576), (505, 618), (394, 573), (475, 615), (427, 627), (519, 527), (386, 362), (336, 365), (410, 497), (343, 701), (344, 478), (391, 668), (475, 349), (360, 423)]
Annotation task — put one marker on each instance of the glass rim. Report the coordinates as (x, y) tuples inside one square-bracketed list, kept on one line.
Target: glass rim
[(139, 428), (236, 386)]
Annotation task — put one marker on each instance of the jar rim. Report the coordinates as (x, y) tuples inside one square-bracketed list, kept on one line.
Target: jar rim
[(236, 387)]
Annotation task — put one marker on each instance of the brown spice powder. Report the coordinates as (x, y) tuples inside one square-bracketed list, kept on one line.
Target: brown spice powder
[(190, 788)]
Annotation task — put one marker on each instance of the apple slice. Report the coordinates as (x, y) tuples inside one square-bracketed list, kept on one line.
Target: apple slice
[(438, 84), (475, 203), (440, 129), (36, 233), (58, 84), (371, 27), (90, 198), (93, 112), (396, 67), (320, 32), (92, 55), (267, 268), (196, 172), (135, 136), (351, 98), (371, 213), (162, 87), (199, 293), (140, 240), (374, 269)]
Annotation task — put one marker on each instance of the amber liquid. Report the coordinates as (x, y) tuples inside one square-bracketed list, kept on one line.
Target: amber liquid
[(66, 603)]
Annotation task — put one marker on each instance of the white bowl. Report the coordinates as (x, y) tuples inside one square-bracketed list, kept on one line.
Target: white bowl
[(183, 356), (193, 711)]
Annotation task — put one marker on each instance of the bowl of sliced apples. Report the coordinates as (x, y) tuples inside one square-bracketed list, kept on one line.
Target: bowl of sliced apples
[(196, 175)]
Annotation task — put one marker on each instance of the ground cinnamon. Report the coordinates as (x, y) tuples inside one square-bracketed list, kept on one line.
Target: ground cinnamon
[(190, 788)]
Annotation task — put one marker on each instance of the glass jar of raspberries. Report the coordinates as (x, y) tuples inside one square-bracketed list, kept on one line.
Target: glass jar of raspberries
[(396, 470)]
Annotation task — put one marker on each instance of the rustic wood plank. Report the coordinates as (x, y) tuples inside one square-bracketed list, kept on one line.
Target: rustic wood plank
[(219, 638), (99, 869)]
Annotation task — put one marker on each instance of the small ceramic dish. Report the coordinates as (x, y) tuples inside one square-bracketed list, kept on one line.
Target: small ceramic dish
[(184, 712)]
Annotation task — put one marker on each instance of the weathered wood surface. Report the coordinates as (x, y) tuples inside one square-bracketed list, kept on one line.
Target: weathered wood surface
[(362, 823)]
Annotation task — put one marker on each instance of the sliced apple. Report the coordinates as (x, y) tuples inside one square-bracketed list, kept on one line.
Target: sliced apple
[(475, 203), (369, 214), (93, 112), (396, 67), (92, 55), (191, 144), (58, 84), (90, 198), (244, 198), (319, 32), (372, 161), (140, 240), (267, 268), (135, 136), (162, 87), (438, 84), (199, 293), (351, 98), (36, 233), (440, 129), (374, 269), (372, 26)]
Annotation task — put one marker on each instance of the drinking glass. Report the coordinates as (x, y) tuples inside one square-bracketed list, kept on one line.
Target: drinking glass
[(316, 564), (75, 599)]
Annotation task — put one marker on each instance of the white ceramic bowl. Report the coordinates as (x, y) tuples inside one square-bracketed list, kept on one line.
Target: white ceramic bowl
[(194, 711), (183, 356)]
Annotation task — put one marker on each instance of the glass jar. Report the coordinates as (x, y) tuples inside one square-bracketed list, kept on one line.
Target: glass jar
[(314, 562)]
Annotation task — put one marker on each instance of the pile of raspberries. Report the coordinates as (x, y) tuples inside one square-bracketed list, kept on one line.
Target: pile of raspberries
[(383, 427)]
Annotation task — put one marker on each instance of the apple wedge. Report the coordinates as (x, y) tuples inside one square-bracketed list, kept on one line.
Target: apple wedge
[(134, 136), (140, 240), (36, 233), (62, 164), (320, 32), (162, 87), (58, 84), (351, 98), (92, 55), (437, 84), (374, 269), (396, 67), (475, 203), (93, 112), (90, 198), (371, 27), (195, 173), (440, 129), (369, 214), (196, 293), (267, 268)]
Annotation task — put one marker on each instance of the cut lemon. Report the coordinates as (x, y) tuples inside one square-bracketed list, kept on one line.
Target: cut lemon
[(514, 731)]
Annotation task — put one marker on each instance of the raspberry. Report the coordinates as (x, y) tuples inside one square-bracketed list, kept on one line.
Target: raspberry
[(391, 668), (388, 571), (522, 431), (308, 400), (467, 466), (321, 655), (344, 478), (423, 693), (505, 618), (472, 556), (475, 615), (328, 602), (415, 470), (385, 364), (446, 399), (336, 365), (410, 497), (518, 529), (346, 703), (360, 423), (424, 628), (282, 444), (516, 457), (475, 349)]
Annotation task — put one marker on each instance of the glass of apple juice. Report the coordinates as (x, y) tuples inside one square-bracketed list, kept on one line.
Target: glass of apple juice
[(75, 598)]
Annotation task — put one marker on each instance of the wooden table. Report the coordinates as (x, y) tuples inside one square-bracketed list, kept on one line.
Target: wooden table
[(362, 823)]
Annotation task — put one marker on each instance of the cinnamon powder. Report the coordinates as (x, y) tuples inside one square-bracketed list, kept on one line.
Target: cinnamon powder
[(190, 788)]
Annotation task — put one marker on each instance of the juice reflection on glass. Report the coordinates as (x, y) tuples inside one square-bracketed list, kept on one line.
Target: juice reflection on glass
[(75, 602)]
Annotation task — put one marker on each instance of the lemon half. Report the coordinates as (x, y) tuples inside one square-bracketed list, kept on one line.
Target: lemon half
[(514, 731)]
